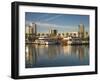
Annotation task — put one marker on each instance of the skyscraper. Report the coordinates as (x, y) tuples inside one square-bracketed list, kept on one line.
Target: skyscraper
[(31, 32), (31, 29), (81, 31), (34, 28)]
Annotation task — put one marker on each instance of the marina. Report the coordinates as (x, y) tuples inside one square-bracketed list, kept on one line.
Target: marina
[(60, 42), (54, 37), (56, 49)]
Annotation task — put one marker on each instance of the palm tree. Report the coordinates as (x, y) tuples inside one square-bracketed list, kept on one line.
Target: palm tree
[(74, 34), (38, 34), (67, 34), (42, 34), (63, 34)]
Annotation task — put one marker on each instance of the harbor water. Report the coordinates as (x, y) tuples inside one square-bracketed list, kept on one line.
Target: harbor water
[(56, 55)]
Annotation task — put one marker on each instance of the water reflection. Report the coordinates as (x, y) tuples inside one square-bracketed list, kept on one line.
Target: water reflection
[(56, 55)]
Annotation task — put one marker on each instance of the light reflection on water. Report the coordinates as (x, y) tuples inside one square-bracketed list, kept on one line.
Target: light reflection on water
[(56, 55)]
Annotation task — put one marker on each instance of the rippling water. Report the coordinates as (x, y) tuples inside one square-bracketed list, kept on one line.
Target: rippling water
[(56, 55)]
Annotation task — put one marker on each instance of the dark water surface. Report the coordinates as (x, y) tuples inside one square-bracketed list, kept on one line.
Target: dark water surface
[(56, 55)]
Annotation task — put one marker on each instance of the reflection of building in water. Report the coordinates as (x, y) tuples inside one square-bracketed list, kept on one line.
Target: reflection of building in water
[(67, 49), (74, 50), (43, 55), (81, 52), (50, 51), (30, 55), (53, 51)]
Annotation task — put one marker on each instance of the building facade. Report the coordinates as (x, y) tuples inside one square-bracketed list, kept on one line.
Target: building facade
[(30, 32), (81, 31)]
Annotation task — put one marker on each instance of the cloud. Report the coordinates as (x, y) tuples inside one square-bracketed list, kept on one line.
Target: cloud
[(41, 17), (46, 26), (52, 18)]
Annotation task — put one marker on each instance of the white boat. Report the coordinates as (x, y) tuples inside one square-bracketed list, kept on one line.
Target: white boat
[(46, 41), (50, 42), (73, 40)]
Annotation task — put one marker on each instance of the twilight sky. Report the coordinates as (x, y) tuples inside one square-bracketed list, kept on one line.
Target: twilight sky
[(61, 22)]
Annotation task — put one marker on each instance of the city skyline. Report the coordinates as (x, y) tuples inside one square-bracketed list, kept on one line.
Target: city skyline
[(61, 22)]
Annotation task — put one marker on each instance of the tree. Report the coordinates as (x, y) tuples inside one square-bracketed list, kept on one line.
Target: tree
[(63, 34), (67, 34)]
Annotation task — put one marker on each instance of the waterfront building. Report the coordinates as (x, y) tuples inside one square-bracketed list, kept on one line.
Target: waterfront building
[(31, 29), (81, 31), (68, 34), (73, 40), (30, 32), (53, 37), (53, 32), (86, 35), (72, 34)]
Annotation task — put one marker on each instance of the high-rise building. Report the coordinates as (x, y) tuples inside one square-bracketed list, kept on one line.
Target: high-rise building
[(31, 29), (81, 31), (30, 32), (34, 28)]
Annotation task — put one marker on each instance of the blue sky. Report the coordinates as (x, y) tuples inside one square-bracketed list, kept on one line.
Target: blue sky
[(61, 22)]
